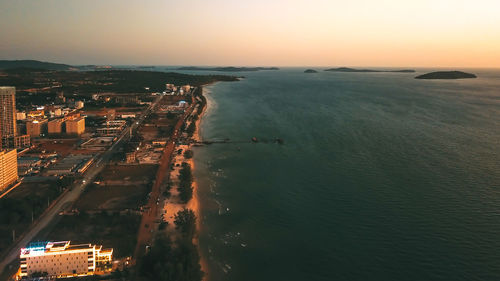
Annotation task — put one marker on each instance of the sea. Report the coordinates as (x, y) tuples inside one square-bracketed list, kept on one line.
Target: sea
[(380, 176)]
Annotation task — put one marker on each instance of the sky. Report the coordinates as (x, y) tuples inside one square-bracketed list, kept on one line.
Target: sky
[(405, 33)]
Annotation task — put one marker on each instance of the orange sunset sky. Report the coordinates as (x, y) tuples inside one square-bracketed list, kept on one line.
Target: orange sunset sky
[(424, 33)]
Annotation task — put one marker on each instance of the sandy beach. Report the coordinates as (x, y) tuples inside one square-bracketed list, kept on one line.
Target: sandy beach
[(194, 203)]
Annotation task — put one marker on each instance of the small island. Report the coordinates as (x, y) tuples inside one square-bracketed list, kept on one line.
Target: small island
[(226, 68), (348, 69), (310, 71), (446, 75)]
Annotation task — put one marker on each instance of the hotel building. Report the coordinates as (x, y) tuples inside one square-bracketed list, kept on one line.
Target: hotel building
[(61, 259), (8, 168)]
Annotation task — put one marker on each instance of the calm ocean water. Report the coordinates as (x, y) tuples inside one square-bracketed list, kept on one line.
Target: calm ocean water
[(381, 177)]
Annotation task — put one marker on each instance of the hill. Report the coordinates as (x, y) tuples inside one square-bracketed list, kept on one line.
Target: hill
[(310, 71), (33, 64), (446, 75), (347, 69), (227, 68)]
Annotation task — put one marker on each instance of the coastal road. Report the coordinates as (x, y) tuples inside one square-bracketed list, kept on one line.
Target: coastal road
[(151, 213), (73, 194)]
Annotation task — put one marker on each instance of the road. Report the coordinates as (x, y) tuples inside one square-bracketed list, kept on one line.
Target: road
[(147, 226), (74, 193)]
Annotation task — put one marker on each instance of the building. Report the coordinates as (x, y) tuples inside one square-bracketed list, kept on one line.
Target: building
[(8, 168), (130, 157), (75, 126), (170, 87), (61, 259), (126, 99), (8, 126), (186, 88), (21, 115), (21, 141), (8, 111), (39, 113), (58, 112), (79, 104), (55, 126), (36, 128), (60, 98)]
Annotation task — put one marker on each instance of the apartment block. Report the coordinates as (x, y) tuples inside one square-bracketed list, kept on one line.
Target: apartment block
[(36, 128), (55, 126), (75, 126)]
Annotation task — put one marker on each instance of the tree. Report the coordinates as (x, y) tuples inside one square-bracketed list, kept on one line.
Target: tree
[(185, 193), (188, 154), (185, 221), (185, 181), (191, 129)]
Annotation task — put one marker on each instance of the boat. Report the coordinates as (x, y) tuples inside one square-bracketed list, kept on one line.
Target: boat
[(254, 139)]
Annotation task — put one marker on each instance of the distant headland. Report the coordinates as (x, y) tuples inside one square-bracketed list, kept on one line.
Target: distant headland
[(226, 68), (446, 75), (34, 64), (310, 71), (347, 69)]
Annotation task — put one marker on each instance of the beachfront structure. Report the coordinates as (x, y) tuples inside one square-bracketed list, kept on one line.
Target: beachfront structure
[(75, 126), (61, 259), (8, 168)]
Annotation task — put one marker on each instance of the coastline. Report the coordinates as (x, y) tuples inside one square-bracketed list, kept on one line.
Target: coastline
[(194, 203)]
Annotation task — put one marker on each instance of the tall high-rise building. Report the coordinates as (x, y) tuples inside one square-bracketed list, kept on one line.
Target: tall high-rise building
[(8, 168), (8, 126), (8, 111)]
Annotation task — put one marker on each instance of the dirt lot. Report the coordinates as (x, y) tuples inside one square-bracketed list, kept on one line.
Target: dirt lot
[(134, 172), (111, 231), (61, 147), (120, 187), (17, 209), (27, 189), (113, 197)]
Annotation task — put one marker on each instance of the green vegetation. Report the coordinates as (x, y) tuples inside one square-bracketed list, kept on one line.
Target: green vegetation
[(34, 64), (191, 129), (89, 82), (185, 221), (174, 261), (21, 206), (188, 154), (112, 230), (185, 181), (347, 69), (227, 68), (446, 75)]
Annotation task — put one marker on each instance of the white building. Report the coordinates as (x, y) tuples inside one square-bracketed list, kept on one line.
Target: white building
[(20, 115), (60, 259), (79, 104)]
